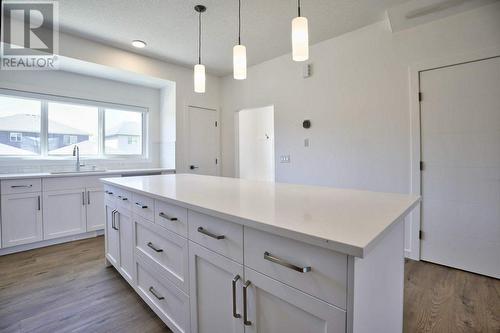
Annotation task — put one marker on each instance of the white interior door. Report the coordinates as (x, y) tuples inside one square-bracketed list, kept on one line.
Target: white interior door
[(460, 124), (256, 143), (203, 141)]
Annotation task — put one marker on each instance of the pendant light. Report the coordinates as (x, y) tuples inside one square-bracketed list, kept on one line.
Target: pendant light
[(239, 53), (300, 37), (199, 69)]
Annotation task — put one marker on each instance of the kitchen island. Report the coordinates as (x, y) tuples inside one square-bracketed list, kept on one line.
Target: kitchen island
[(219, 254)]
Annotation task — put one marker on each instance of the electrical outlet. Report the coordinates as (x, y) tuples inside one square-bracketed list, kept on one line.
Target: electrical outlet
[(306, 143), (285, 159)]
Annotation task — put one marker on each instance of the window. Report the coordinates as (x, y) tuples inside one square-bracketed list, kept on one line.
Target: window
[(16, 137), (20, 124), (71, 124), (122, 132), (40, 125)]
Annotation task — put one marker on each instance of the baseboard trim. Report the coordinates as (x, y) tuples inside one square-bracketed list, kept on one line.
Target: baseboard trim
[(49, 242)]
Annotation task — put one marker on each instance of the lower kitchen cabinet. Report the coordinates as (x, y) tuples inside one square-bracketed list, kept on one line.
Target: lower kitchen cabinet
[(21, 218), (273, 306), (64, 213), (95, 209), (215, 303)]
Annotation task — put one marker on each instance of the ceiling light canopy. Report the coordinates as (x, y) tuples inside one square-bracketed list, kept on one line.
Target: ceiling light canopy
[(139, 44), (199, 69)]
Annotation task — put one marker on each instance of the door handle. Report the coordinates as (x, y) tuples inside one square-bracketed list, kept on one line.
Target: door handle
[(233, 283), (192, 167), (165, 216), (268, 256), (38, 202), (88, 197), (245, 309), (83, 198), (209, 234), (113, 220)]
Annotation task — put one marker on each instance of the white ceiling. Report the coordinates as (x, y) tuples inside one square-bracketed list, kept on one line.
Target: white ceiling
[(170, 26)]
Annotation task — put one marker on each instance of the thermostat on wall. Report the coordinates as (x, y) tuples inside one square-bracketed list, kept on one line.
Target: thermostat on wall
[(306, 123)]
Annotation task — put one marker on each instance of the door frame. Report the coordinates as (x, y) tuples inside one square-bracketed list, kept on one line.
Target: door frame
[(186, 119), (237, 138), (414, 220)]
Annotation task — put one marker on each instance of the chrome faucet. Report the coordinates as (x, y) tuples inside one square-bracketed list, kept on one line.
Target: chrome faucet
[(76, 152)]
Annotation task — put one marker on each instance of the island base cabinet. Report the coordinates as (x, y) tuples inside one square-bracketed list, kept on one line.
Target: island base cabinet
[(275, 307), (21, 218), (211, 292), (166, 300)]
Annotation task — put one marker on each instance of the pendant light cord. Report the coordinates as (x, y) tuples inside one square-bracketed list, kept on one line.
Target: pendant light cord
[(199, 38), (239, 22), (298, 6)]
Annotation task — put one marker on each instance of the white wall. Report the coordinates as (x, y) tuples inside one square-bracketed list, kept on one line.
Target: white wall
[(73, 85), (357, 100), (255, 155)]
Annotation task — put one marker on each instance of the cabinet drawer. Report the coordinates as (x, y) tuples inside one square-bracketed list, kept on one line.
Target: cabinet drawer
[(110, 195), (324, 273), (171, 217), (217, 235), (168, 302), (123, 199), (143, 206), (28, 185), (168, 251)]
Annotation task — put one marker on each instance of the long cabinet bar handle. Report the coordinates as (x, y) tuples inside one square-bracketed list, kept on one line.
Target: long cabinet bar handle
[(83, 198), (165, 216), (88, 197), (209, 234), (155, 294), (21, 186), (233, 283), (268, 256), (39, 206), (150, 245), (113, 224), (141, 205), (245, 307)]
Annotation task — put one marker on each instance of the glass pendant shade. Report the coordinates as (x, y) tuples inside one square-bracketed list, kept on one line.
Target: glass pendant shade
[(240, 62), (199, 78), (300, 39)]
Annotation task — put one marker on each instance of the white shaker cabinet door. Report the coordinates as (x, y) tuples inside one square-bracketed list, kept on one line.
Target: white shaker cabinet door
[(21, 218), (123, 222), (95, 209), (112, 235), (211, 292), (275, 307), (64, 213)]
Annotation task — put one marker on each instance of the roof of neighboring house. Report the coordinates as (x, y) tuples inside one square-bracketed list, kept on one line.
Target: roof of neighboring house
[(31, 123), (128, 128)]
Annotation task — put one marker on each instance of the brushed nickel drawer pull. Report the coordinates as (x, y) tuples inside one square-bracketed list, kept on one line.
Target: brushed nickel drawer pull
[(21, 186), (233, 283), (245, 310), (279, 261), (150, 245), (165, 216), (209, 234), (153, 291), (141, 205), (38, 202)]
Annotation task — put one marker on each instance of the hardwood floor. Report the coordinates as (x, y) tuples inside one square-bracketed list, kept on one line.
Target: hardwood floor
[(442, 299), (66, 288)]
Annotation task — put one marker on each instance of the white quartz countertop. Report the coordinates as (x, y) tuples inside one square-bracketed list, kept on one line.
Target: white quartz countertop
[(6, 176), (348, 221)]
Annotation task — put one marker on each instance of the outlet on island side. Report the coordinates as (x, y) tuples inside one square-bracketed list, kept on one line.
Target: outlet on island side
[(284, 158)]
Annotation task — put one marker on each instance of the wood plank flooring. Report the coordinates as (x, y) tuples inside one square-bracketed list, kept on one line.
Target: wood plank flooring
[(67, 288), (446, 300)]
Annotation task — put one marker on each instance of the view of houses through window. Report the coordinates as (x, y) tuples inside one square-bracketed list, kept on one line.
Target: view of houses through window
[(97, 130)]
